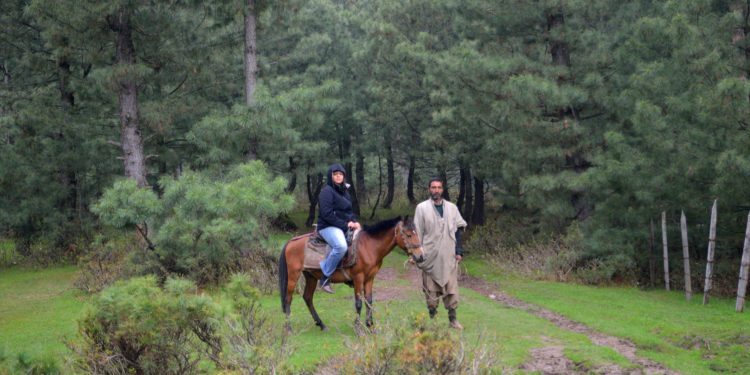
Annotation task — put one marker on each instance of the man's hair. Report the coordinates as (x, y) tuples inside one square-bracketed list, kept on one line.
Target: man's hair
[(438, 179)]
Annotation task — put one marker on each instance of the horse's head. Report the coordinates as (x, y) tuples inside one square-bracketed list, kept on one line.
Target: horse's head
[(408, 239)]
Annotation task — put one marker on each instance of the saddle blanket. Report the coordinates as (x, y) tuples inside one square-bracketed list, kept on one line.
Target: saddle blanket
[(317, 249)]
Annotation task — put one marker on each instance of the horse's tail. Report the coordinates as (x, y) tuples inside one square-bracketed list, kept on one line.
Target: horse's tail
[(283, 277)]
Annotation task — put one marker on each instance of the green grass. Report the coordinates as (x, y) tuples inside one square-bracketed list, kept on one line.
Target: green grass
[(510, 333), (8, 254), (39, 308), (685, 336)]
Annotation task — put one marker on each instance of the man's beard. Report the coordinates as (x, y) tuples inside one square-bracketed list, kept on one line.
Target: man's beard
[(436, 197)]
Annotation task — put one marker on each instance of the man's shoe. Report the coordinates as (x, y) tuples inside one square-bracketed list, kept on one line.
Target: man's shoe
[(325, 285), (456, 325), (432, 311)]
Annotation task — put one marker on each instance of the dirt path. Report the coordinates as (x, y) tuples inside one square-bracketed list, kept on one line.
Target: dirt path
[(547, 360)]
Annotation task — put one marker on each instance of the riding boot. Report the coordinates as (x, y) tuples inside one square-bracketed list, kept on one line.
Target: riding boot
[(325, 284), (433, 312), (452, 319)]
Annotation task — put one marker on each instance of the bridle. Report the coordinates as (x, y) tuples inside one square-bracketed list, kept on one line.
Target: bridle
[(399, 230)]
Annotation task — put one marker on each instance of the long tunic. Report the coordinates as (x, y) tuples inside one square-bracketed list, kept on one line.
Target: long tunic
[(438, 235)]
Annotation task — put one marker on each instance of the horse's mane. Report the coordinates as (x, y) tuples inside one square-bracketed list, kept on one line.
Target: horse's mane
[(381, 226)]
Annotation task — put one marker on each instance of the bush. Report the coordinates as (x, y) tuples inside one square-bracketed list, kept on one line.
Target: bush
[(25, 364), (550, 258), (421, 346), (135, 326), (251, 348), (103, 263), (202, 225)]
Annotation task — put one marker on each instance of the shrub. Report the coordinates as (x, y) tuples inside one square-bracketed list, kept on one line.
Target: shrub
[(421, 346), (135, 326), (202, 224), (549, 258), (252, 347), (104, 262), (25, 364)]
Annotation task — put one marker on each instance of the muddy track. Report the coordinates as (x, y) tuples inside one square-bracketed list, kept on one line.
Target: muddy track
[(549, 360)]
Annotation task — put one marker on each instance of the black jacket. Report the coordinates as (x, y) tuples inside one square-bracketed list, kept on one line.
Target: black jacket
[(335, 203)]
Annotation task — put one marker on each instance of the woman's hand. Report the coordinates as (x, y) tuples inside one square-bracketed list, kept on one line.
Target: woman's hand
[(353, 224)]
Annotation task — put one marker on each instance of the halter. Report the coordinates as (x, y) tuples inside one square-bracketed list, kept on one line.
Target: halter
[(400, 230)]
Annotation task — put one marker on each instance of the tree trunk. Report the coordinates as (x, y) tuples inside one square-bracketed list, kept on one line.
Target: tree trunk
[(314, 185), (710, 255), (686, 257), (66, 94), (651, 254), (380, 187), (444, 176), (558, 48), (251, 69), (359, 175), (469, 209), (560, 54), (251, 60), (410, 180), (744, 268), (352, 191), (461, 188), (391, 175), (6, 73), (665, 253), (292, 176), (131, 140), (477, 216)]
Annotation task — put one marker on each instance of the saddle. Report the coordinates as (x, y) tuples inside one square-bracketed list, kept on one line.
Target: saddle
[(317, 249)]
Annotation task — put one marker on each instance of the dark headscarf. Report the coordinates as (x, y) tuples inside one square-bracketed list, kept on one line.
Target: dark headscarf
[(337, 168)]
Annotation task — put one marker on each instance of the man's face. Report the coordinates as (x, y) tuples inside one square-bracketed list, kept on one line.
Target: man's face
[(436, 190)]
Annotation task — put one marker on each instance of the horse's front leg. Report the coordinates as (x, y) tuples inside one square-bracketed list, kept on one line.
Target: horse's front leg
[(358, 294), (368, 298)]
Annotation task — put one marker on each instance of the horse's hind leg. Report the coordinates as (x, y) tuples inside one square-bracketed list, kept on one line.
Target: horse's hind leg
[(290, 287), (310, 284)]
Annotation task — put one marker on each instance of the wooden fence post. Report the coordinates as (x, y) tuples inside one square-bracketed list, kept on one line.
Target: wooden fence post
[(686, 256), (666, 254), (744, 267), (651, 255), (710, 256)]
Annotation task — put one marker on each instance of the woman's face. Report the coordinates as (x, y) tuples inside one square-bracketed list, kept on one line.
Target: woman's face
[(338, 178)]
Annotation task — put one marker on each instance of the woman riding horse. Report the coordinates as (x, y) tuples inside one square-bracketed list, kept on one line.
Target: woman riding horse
[(373, 244), (335, 217)]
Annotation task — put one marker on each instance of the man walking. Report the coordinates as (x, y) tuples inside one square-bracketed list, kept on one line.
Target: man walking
[(439, 225)]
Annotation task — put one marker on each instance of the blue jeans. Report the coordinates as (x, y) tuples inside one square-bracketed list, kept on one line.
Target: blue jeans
[(335, 238)]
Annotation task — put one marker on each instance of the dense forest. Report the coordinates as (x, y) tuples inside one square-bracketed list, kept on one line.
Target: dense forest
[(593, 116)]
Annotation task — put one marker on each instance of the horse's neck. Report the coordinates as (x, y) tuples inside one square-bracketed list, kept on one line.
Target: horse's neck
[(385, 244)]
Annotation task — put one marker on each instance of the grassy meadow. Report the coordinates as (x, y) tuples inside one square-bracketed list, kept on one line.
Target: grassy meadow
[(683, 335), (40, 307)]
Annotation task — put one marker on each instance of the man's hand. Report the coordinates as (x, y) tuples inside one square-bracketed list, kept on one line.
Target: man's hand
[(458, 258), (353, 224)]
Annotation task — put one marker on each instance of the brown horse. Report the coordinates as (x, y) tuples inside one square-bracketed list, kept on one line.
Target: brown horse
[(373, 243)]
